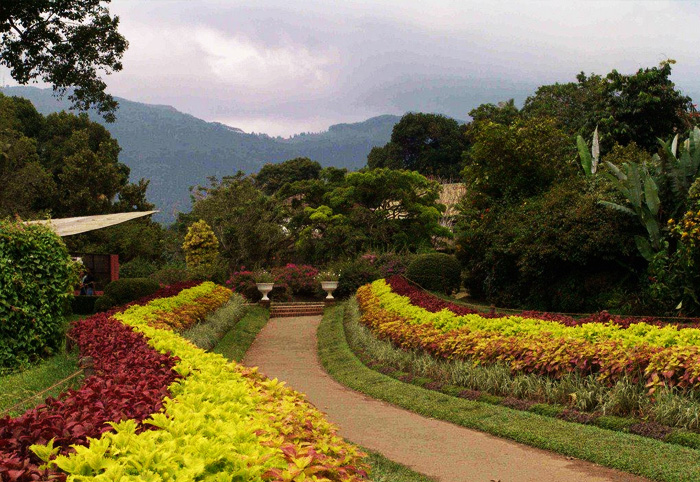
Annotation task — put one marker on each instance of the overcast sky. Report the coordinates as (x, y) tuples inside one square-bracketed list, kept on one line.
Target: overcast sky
[(291, 66)]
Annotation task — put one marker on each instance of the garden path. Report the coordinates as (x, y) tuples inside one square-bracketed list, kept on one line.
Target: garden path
[(286, 349)]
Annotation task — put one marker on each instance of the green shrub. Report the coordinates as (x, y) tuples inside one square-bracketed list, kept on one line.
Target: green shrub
[(83, 305), (137, 268), (546, 409), (354, 274), (435, 272), (201, 249), (685, 438), (170, 273), (104, 303), (558, 251), (125, 290), (611, 422), (37, 277)]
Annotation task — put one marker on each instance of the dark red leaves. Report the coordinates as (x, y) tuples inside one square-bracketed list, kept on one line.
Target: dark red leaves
[(432, 303), (130, 382)]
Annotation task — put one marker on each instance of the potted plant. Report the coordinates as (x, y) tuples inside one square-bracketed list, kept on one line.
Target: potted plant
[(329, 282), (265, 282)]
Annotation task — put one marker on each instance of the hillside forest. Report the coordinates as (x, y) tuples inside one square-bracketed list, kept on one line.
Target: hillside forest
[(587, 198)]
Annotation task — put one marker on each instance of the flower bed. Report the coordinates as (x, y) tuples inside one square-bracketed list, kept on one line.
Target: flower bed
[(218, 418), (130, 383), (432, 303), (655, 354)]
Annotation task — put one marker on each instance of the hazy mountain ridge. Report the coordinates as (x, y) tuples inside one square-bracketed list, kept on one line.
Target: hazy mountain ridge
[(176, 150)]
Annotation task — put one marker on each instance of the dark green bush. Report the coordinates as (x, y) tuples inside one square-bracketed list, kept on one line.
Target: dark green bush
[(354, 274), (558, 251), (125, 290), (611, 422), (83, 305), (170, 273), (104, 303), (546, 409), (436, 272), (685, 438), (37, 277), (137, 268)]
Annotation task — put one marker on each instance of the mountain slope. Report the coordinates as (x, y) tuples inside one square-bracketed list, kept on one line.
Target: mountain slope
[(177, 150)]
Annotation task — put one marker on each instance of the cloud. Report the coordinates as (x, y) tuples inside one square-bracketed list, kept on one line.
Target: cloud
[(241, 63), (299, 64)]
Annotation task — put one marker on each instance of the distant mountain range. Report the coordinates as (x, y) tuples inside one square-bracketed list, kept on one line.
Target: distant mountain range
[(177, 150)]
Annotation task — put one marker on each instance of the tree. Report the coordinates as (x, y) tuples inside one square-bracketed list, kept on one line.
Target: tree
[(65, 43), (640, 107), (272, 177), (504, 113), (201, 249), (381, 209), (247, 223), (431, 144), (508, 163)]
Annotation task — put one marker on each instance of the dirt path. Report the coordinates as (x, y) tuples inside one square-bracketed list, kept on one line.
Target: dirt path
[(286, 349)]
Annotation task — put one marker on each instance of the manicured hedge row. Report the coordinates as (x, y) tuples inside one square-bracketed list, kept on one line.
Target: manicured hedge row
[(36, 280), (131, 382), (221, 419), (657, 355), (432, 303)]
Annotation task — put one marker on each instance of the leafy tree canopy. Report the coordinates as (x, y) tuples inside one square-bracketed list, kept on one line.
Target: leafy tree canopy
[(381, 209), (272, 177), (511, 162), (247, 222), (431, 144), (65, 43), (641, 107)]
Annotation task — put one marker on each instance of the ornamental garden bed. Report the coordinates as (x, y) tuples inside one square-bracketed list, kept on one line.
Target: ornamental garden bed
[(159, 406), (639, 376)]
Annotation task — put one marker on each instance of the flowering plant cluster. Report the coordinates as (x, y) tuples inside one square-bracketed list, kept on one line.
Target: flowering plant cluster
[(300, 278), (168, 410), (328, 275), (687, 229), (657, 355)]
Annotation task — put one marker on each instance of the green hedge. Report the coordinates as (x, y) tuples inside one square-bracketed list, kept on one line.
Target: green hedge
[(436, 272), (36, 280), (124, 290)]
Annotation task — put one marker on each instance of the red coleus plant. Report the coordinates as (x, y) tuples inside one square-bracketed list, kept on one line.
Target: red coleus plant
[(430, 302), (130, 382)]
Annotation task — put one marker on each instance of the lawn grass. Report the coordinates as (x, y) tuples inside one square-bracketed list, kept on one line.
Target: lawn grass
[(631, 453), (235, 343), (21, 386), (385, 470)]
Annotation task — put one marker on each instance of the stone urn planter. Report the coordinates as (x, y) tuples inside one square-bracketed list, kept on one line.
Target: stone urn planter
[(329, 287), (265, 288)]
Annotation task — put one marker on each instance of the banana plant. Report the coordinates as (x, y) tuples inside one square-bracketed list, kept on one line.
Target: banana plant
[(589, 160), (638, 186), (680, 168)]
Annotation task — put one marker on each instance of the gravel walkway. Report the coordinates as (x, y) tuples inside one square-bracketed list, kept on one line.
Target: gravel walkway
[(286, 349)]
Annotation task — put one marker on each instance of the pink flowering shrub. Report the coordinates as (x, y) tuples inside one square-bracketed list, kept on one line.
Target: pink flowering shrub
[(299, 278)]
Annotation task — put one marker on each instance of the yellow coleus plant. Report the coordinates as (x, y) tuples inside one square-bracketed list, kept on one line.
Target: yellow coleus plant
[(224, 422), (445, 320)]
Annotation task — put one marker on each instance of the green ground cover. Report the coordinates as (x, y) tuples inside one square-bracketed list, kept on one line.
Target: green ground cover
[(237, 341), (385, 470), (20, 387), (643, 456)]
